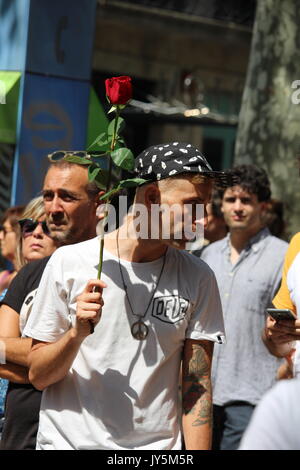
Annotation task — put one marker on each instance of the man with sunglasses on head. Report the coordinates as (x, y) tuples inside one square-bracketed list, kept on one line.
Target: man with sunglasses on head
[(70, 206)]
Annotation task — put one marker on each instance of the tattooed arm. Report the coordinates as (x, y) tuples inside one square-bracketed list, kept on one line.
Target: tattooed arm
[(197, 394)]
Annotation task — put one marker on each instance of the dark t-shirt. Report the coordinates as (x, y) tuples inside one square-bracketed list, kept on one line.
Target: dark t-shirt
[(23, 401)]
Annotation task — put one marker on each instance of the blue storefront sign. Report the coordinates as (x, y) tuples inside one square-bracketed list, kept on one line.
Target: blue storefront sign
[(53, 117)]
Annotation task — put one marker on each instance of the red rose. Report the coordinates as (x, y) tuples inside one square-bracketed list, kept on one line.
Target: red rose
[(118, 89)]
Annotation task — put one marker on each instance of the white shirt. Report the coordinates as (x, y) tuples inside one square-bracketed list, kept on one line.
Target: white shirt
[(275, 423), (246, 289), (121, 393)]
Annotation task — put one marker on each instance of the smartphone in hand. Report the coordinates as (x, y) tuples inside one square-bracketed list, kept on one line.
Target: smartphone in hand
[(281, 314)]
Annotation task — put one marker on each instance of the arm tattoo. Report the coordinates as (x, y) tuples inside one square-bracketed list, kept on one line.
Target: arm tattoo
[(196, 399)]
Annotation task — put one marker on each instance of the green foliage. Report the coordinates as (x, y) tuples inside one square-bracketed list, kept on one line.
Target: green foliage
[(98, 175), (116, 126), (129, 183), (78, 160), (110, 145), (101, 142), (123, 158)]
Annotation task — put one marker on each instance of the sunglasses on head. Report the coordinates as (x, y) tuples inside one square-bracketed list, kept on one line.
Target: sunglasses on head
[(60, 154), (29, 225)]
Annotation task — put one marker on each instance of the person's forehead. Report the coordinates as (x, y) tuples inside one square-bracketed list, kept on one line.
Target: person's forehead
[(67, 178), (185, 185), (204, 189), (238, 191)]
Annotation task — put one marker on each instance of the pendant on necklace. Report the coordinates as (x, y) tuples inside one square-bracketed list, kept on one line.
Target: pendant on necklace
[(139, 330)]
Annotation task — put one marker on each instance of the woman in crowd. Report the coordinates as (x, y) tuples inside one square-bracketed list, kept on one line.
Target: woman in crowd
[(32, 241), (9, 230)]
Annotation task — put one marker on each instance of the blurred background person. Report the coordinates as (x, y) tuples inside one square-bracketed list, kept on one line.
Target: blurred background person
[(30, 242), (9, 230), (273, 217), (248, 266), (216, 227)]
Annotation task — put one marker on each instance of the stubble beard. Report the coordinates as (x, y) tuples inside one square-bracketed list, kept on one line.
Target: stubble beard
[(64, 237)]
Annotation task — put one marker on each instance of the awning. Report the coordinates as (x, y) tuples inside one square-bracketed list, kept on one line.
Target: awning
[(97, 119), (9, 100)]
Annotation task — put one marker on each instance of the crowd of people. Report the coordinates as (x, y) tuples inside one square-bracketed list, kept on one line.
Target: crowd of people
[(168, 349)]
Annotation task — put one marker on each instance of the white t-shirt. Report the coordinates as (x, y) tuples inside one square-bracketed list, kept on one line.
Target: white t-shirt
[(275, 423), (26, 309), (121, 393)]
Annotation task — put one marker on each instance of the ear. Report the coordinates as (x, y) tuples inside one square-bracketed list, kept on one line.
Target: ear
[(99, 205), (263, 206), (151, 195), (97, 200), (100, 194)]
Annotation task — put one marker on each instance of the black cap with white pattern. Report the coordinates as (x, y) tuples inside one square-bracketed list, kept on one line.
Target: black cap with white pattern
[(165, 160)]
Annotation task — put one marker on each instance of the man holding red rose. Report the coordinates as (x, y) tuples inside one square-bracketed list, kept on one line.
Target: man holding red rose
[(158, 306)]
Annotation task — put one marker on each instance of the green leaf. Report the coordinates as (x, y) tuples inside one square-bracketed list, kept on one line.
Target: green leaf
[(99, 155), (76, 159), (120, 140), (102, 141), (132, 182), (110, 193), (123, 158), (129, 183), (120, 126), (119, 144), (97, 174)]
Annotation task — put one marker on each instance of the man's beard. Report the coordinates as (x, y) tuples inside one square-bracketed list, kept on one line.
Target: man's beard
[(64, 235)]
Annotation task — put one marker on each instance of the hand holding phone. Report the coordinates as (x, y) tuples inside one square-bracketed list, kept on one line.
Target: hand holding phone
[(281, 314)]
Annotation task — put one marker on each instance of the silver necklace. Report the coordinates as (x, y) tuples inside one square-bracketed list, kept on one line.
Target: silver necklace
[(139, 329)]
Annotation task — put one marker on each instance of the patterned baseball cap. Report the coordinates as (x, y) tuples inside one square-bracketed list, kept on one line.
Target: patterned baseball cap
[(165, 160)]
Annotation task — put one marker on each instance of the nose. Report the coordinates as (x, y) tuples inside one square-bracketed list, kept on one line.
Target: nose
[(38, 231), (238, 206), (54, 206)]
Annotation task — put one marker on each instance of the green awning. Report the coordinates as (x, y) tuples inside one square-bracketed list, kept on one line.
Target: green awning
[(97, 119), (9, 100)]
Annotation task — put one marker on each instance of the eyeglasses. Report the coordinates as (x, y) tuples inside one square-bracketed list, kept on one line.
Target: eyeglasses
[(60, 154), (4, 230), (29, 225)]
